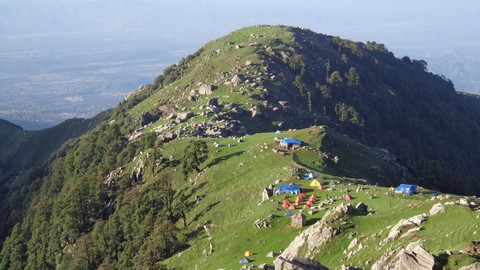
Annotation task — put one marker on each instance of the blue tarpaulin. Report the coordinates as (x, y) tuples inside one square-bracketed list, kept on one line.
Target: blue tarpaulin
[(288, 188), (407, 189), (288, 141)]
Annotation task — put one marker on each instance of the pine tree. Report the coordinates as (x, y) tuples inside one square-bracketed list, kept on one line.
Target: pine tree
[(195, 154)]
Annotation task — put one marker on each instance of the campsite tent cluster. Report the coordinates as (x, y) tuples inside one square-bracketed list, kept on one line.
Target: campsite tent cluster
[(299, 200)]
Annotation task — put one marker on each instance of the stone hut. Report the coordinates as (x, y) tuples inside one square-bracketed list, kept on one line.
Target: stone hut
[(298, 220)]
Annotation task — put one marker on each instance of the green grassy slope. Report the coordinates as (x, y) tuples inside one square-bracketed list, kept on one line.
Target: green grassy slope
[(233, 202)]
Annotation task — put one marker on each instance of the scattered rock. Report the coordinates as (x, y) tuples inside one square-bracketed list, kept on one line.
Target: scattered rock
[(264, 266), (184, 116), (260, 223), (437, 208), (298, 264), (473, 248), (166, 110), (271, 254), (283, 103), (395, 231), (475, 266), (205, 89), (361, 208), (411, 232), (112, 177), (237, 79), (136, 135), (348, 267), (137, 172), (353, 244), (266, 194), (379, 265), (414, 256)]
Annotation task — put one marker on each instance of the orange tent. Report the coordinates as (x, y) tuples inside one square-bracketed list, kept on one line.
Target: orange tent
[(320, 187), (347, 197), (307, 206), (291, 207)]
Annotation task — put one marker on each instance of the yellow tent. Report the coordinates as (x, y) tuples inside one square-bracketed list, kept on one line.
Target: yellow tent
[(315, 183), (248, 253)]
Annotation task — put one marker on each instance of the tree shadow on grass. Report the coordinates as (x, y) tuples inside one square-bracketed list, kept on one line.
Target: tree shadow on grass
[(202, 213), (223, 158), (199, 230)]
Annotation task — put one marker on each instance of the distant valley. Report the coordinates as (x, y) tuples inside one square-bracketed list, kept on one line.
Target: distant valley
[(41, 88)]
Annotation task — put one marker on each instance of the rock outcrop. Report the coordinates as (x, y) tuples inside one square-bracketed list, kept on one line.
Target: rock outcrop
[(316, 235), (414, 221), (184, 116), (475, 266), (437, 208), (137, 172), (298, 264), (205, 89), (414, 256)]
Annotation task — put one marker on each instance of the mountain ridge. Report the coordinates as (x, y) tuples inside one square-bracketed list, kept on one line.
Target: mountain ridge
[(124, 194)]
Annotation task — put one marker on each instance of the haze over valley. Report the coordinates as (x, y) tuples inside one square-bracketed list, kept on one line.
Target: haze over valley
[(65, 59)]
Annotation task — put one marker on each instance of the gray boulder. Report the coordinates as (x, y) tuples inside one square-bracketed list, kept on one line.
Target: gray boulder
[(361, 208), (205, 89), (298, 264), (184, 115), (237, 79), (475, 266), (414, 256), (436, 209)]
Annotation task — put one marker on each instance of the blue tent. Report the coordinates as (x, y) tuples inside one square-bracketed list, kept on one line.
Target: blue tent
[(288, 188), (289, 213), (407, 189), (244, 260), (290, 141), (310, 176)]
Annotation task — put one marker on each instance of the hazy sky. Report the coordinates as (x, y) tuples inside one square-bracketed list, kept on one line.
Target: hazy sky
[(434, 24)]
